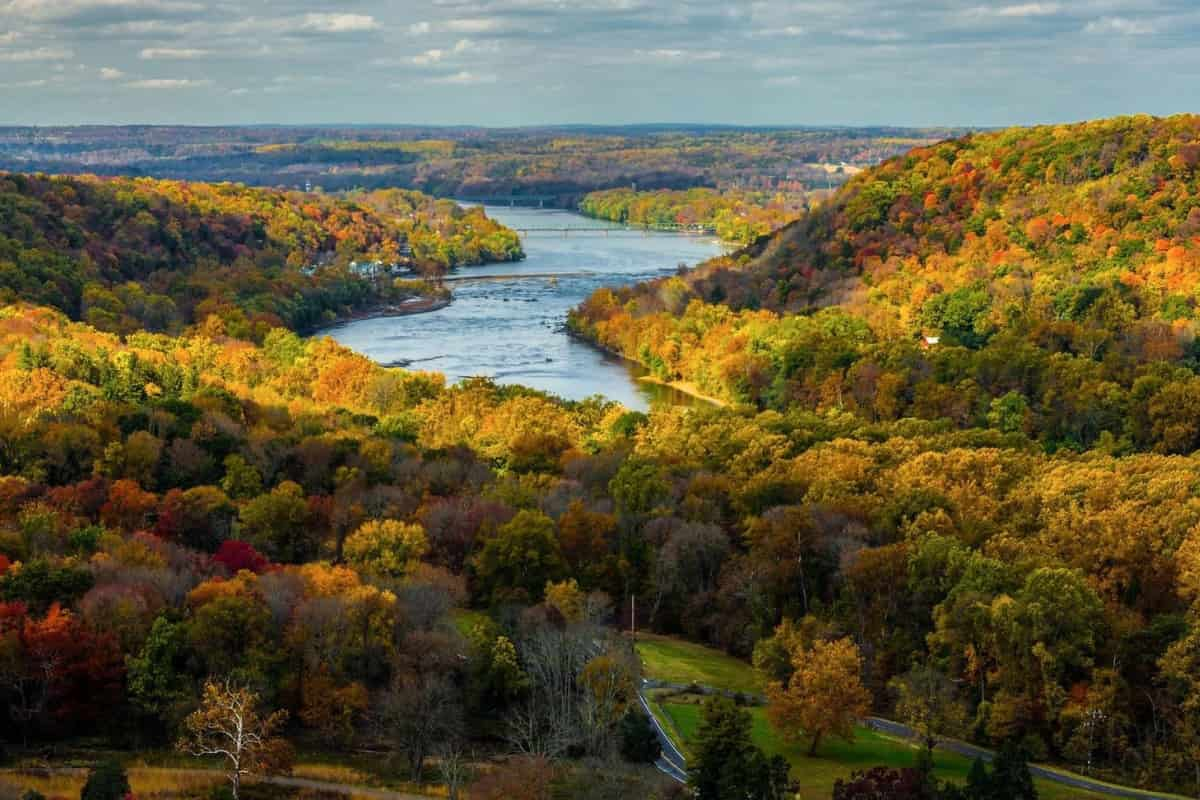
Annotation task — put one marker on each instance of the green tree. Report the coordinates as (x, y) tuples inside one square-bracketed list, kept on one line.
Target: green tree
[(277, 524), (157, 684), (639, 741), (518, 561), (726, 765), (106, 781)]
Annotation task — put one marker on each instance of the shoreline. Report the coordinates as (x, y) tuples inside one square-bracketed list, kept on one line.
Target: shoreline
[(683, 387), (421, 306)]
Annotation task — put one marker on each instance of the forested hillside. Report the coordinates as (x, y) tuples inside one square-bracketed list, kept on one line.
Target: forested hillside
[(164, 499), (1039, 280), (735, 216), (133, 254)]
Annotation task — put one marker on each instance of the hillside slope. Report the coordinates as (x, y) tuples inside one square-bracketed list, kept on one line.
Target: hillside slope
[(1052, 271), (125, 254)]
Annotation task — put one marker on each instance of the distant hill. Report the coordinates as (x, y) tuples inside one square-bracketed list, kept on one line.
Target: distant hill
[(951, 277), (125, 254)]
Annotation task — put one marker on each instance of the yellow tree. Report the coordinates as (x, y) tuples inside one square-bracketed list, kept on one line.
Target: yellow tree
[(825, 694), (386, 547), (228, 724)]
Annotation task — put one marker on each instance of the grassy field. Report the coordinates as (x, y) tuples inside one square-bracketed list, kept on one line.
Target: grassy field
[(838, 759), (675, 661)]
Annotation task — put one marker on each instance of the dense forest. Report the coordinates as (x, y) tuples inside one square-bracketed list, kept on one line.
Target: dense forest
[(133, 254), (1034, 280), (954, 485), (552, 165), (735, 216)]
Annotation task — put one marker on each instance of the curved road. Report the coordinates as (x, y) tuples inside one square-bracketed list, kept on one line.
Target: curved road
[(674, 764)]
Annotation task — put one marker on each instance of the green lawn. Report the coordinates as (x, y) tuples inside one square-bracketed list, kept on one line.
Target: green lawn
[(837, 759), (676, 661)]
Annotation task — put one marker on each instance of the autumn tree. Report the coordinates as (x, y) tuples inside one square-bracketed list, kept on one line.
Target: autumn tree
[(927, 701), (228, 724), (824, 695), (386, 547)]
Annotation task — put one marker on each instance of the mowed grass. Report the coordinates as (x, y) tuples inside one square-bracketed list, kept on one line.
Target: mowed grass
[(675, 661), (838, 759)]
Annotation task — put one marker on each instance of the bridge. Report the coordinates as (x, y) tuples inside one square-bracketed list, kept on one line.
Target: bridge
[(585, 230)]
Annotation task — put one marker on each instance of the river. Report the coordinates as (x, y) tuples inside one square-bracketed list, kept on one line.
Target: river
[(507, 320)]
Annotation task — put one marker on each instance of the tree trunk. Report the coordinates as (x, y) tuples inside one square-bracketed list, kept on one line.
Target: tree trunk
[(812, 748)]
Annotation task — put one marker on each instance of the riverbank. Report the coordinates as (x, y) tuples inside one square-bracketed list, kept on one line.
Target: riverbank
[(405, 308), (683, 387)]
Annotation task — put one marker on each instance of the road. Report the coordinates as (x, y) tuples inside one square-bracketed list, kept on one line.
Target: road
[(671, 762), (674, 764)]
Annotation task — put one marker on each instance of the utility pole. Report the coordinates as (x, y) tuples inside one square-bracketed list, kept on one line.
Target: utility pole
[(633, 615)]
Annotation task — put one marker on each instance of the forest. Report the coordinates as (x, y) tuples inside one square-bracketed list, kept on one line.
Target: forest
[(740, 217), (141, 254), (552, 165), (954, 484)]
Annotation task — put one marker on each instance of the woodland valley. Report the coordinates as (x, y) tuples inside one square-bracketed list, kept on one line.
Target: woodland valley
[(910, 510)]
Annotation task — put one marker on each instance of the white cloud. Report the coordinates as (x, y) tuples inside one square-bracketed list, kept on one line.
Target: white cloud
[(784, 80), (67, 9), (1119, 26), (666, 54), (871, 35), (168, 83), (1018, 11), (339, 23), (9, 37), (37, 54), (181, 53), (24, 84), (419, 28), (111, 74), (465, 78)]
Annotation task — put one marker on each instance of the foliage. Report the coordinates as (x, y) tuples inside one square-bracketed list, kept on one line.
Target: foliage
[(106, 781)]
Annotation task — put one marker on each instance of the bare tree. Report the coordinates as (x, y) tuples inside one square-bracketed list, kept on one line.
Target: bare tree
[(452, 765), (417, 712), (228, 724)]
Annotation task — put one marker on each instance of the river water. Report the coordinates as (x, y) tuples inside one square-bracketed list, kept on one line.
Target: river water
[(507, 320)]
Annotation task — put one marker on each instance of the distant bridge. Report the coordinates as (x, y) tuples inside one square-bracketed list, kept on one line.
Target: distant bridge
[(582, 230)]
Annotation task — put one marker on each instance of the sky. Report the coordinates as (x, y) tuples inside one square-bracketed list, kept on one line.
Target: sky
[(531, 62)]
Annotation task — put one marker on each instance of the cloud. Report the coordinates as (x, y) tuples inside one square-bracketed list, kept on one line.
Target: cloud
[(85, 13), (37, 54), (168, 53), (679, 55), (1016, 11), (111, 74), (872, 35), (465, 78), (339, 23), (1120, 26), (169, 83)]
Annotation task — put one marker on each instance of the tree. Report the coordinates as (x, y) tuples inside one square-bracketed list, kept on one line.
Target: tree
[(928, 702), (386, 547), (418, 712), (825, 694), (155, 679), (639, 740), (106, 781), (277, 524), (228, 724), (726, 765), (519, 560)]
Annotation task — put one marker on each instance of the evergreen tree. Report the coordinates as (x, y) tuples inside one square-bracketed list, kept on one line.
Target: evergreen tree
[(639, 741), (107, 781), (726, 765)]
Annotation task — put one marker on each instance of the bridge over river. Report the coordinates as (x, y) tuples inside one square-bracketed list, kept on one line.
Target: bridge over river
[(644, 230)]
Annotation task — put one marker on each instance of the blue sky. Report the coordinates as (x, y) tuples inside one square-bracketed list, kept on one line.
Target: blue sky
[(524, 62)]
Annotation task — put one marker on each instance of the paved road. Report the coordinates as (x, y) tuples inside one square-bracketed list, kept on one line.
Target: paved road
[(972, 751), (671, 762), (674, 764)]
